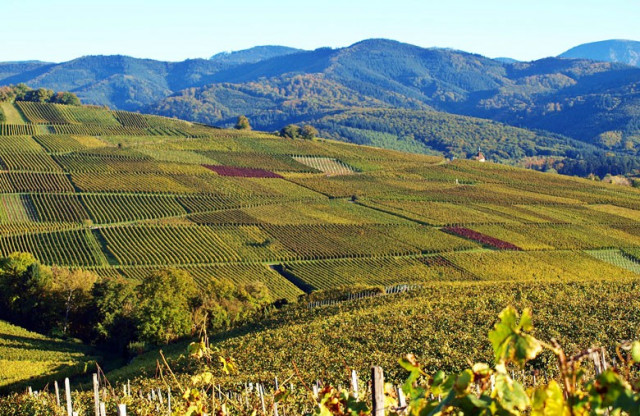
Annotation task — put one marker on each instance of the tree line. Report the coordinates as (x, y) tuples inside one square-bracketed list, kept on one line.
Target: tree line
[(117, 314), (22, 92)]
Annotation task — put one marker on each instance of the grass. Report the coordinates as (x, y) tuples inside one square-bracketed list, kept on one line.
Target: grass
[(13, 116), (27, 357)]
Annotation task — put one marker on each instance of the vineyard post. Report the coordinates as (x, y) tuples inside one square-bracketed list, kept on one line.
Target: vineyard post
[(169, 401), (57, 389), (377, 390), (261, 392), (128, 388), (67, 393), (30, 390), (354, 383), (160, 396), (103, 409), (275, 404), (402, 401), (96, 394), (124, 389), (122, 410)]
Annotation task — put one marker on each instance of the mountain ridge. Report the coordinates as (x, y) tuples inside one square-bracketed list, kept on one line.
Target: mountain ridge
[(613, 50), (590, 101)]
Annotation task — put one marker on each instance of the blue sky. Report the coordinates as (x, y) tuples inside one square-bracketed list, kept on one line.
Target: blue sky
[(58, 30)]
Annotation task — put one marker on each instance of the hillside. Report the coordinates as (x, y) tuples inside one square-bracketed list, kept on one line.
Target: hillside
[(615, 50), (27, 358), (592, 102), (123, 194)]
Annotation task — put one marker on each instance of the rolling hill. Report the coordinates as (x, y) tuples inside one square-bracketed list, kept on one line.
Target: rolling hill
[(253, 55), (123, 194), (592, 102), (28, 358), (615, 50)]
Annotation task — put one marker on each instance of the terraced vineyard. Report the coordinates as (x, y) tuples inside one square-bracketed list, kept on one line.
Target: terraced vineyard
[(124, 193)]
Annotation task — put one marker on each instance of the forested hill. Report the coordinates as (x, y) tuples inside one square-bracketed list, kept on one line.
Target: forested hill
[(255, 54), (615, 50), (592, 102)]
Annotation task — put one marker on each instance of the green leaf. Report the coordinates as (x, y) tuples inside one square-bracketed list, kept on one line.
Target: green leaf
[(635, 351), (509, 340), (510, 395), (463, 382)]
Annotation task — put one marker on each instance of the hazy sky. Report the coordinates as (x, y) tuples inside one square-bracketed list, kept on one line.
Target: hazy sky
[(58, 30)]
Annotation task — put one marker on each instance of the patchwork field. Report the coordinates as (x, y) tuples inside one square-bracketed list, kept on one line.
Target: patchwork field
[(123, 194), (94, 193)]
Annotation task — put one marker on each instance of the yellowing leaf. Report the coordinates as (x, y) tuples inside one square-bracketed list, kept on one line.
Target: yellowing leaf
[(549, 401), (509, 340)]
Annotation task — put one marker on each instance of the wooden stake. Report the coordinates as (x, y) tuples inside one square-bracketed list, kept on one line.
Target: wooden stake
[(122, 410), (402, 402), (354, 383), (67, 393), (275, 405), (377, 390), (57, 389), (103, 409), (261, 392), (96, 394)]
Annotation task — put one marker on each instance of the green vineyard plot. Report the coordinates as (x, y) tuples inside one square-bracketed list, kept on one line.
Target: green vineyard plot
[(125, 194), (86, 186)]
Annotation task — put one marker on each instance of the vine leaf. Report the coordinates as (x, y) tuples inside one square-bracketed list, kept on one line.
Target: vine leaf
[(509, 338), (635, 352), (549, 401)]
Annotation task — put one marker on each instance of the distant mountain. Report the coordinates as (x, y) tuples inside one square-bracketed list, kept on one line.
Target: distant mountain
[(594, 102), (586, 100), (622, 51), (9, 69), (505, 60), (253, 55)]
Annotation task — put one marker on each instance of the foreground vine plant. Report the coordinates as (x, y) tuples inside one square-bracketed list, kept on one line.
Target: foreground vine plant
[(482, 390)]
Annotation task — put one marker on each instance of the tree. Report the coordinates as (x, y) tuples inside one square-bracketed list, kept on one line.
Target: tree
[(113, 311), (20, 91), (73, 289), (166, 302), (225, 304), (25, 287), (41, 95), (291, 131), (243, 123), (67, 98), (308, 132)]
